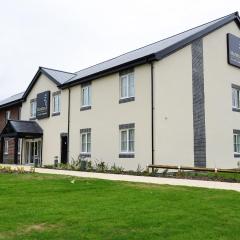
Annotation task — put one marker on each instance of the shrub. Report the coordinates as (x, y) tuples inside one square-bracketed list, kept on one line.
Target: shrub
[(116, 169)]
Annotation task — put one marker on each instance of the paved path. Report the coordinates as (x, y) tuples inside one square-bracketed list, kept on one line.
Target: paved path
[(141, 179)]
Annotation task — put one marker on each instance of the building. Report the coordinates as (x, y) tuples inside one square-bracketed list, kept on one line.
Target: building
[(10, 148), (172, 102)]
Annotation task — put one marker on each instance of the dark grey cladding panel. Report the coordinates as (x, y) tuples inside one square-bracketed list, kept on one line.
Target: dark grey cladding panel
[(127, 126), (85, 130), (198, 104)]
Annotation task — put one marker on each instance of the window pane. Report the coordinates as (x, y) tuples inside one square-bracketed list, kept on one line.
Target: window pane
[(123, 141), (238, 99), (19, 145), (6, 146), (124, 86), (84, 140), (233, 97), (238, 143), (131, 140), (89, 95), (131, 85), (89, 142), (84, 93)]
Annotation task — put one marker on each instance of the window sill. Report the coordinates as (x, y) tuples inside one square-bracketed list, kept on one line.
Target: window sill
[(235, 109), (126, 155), (85, 155), (32, 118), (55, 114), (124, 100), (237, 155), (84, 108)]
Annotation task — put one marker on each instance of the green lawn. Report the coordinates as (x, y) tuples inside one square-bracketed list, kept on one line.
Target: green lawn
[(34, 206)]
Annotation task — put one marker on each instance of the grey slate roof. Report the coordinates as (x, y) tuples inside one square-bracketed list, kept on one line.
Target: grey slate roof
[(13, 98), (26, 126), (154, 48), (59, 76), (21, 129), (154, 51)]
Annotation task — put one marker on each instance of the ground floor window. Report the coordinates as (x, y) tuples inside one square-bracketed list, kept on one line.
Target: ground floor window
[(85, 141), (19, 146), (127, 138), (236, 141), (6, 146), (33, 152)]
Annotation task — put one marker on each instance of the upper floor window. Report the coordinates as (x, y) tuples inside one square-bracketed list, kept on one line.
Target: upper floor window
[(86, 95), (8, 115), (236, 98), (56, 102), (127, 88), (33, 108)]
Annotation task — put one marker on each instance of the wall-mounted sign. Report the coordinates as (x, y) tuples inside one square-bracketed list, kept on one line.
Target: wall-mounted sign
[(233, 50), (43, 105)]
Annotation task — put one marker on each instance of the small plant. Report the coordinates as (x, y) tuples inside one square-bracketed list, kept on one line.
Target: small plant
[(116, 169), (139, 169), (89, 166), (102, 167)]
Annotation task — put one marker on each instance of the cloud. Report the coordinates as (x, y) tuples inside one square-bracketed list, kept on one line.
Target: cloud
[(70, 34)]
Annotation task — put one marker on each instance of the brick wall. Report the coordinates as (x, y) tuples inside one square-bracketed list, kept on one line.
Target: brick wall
[(15, 115)]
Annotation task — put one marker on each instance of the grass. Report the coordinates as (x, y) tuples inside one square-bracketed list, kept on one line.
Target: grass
[(34, 206)]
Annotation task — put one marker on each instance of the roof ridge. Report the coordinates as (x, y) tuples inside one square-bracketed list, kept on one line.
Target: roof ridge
[(232, 14)]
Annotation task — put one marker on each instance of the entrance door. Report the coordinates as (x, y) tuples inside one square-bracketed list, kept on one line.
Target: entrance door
[(33, 150), (64, 149)]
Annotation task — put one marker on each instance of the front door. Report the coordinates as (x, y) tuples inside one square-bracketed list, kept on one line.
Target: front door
[(33, 150), (64, 149)]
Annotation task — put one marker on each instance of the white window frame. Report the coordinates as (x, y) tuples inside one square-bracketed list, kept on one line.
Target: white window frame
[(57, 99), (87, 142), (128, 141), (236, 143), (5, 146), (86, 102), (8, 115), (33, 110), (127, 76), (235, 98)]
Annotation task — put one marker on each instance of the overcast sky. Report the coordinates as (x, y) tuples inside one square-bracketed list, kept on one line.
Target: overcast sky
[(72, 34)]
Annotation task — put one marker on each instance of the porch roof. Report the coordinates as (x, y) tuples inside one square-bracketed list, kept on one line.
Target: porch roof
[(21, 129)]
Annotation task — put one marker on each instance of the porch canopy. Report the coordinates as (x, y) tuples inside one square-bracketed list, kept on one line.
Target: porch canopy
[(19, 129)]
